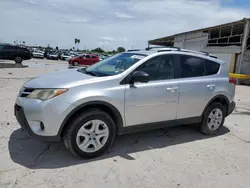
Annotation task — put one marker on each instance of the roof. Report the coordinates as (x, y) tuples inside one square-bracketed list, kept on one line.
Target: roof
[(170, 38), (176, 50)]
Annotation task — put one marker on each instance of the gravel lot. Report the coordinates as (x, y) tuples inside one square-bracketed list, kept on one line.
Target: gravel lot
[(176, 157)]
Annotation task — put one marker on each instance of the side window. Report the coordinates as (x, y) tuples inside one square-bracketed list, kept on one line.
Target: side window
[(87, 56), (8, 47), (151, 67), (211, 67), (166, 68), (192, 66), (93, 57)]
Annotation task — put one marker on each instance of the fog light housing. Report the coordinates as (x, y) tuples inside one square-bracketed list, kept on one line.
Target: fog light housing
[(42, 126), (36, 126)]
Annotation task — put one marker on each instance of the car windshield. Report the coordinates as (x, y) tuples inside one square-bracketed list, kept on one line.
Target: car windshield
[(115, 64)]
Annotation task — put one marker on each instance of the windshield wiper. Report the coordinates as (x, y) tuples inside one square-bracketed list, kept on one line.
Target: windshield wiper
[(83, 70), (90, 73)]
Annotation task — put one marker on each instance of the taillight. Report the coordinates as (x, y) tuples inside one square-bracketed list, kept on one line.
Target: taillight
[(233, 81)]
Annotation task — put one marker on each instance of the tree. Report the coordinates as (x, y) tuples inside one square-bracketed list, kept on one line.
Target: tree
[(77, 41), (99, 50), (121, 49)]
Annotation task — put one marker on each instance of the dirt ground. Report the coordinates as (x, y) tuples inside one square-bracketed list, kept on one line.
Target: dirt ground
[(175, 157)]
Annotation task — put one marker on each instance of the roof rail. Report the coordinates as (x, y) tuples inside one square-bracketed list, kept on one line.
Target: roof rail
[(199, 52), (185, 50), (169, 49), (149, 48), (196, 52), (133, 50)]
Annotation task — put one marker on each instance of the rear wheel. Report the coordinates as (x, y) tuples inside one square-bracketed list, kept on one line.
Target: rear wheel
[(213, 119), (18, 59), (90, 134)]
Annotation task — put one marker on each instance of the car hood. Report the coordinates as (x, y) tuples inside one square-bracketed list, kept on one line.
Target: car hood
[(61, 79)]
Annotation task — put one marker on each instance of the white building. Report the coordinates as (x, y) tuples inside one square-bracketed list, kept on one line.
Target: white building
[(229, 42)]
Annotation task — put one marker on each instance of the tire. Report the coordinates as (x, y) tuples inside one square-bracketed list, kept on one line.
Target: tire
[(75, 63), (18, 59), (89, 142), (212, 123)]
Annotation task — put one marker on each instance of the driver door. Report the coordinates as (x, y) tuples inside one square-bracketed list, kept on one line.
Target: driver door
[(155, 101)]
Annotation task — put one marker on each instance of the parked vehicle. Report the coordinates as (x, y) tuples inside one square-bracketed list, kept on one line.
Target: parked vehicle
[(53, 55), (86, 60), (127, 92), (12, 52), (66, 56), (38, 54)]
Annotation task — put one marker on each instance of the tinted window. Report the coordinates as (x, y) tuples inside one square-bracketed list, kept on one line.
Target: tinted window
[(1, 47), (211, 67), (9, 47), (151, 67), (87, 56), (192, 66), (166, 68), (93, 57)]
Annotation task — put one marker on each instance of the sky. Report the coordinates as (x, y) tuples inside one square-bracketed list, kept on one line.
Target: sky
[(110, 23)]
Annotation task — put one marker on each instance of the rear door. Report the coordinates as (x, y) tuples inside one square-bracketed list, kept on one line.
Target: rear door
[(198, 82)]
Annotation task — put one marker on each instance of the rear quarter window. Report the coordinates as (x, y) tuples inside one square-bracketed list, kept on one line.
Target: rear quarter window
[(211, 67), (192, 66)]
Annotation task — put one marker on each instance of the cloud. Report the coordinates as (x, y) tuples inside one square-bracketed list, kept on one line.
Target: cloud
[(110, 23), (123, 15), (107, 39)]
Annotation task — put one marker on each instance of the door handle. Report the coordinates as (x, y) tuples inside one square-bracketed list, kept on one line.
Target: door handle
[(211, 86), (172, 89)]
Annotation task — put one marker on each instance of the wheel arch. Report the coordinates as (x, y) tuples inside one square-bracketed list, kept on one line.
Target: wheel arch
[(220, 99), (105, 106)]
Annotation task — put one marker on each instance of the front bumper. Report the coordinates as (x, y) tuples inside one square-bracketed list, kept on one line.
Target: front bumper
[(231, 108), (20, 116)]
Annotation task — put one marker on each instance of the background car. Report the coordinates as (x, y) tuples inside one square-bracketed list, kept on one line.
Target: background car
[(38, 54), (12, 52), (53, 55), (66, 56), (86, 60)]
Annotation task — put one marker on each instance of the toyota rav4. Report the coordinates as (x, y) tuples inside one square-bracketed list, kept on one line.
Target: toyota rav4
[(131, 91)]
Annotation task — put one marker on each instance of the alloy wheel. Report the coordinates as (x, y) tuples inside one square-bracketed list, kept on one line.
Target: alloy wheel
[(92, 136)]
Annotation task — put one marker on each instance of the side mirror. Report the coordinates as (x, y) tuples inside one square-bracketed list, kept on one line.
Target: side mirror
[(140, 76)]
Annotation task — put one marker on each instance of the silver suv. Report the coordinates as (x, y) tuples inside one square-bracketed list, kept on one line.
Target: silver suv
[(131, 91)]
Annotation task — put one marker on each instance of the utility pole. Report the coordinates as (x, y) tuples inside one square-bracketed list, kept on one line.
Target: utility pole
[(244, 44)]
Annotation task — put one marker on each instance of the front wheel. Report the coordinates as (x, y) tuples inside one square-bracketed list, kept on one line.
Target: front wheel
[(18, 59), (213, 119), (75, 63), (90, 134)]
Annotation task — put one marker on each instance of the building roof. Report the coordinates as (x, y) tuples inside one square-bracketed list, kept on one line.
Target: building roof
[(170, 39)]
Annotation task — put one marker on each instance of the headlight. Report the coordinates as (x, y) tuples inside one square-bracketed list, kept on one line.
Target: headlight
[(45, 94)]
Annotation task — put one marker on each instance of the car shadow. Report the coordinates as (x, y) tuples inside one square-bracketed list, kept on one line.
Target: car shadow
[(38, 155)]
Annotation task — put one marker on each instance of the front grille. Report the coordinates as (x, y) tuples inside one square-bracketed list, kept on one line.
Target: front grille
[(26, 92)]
